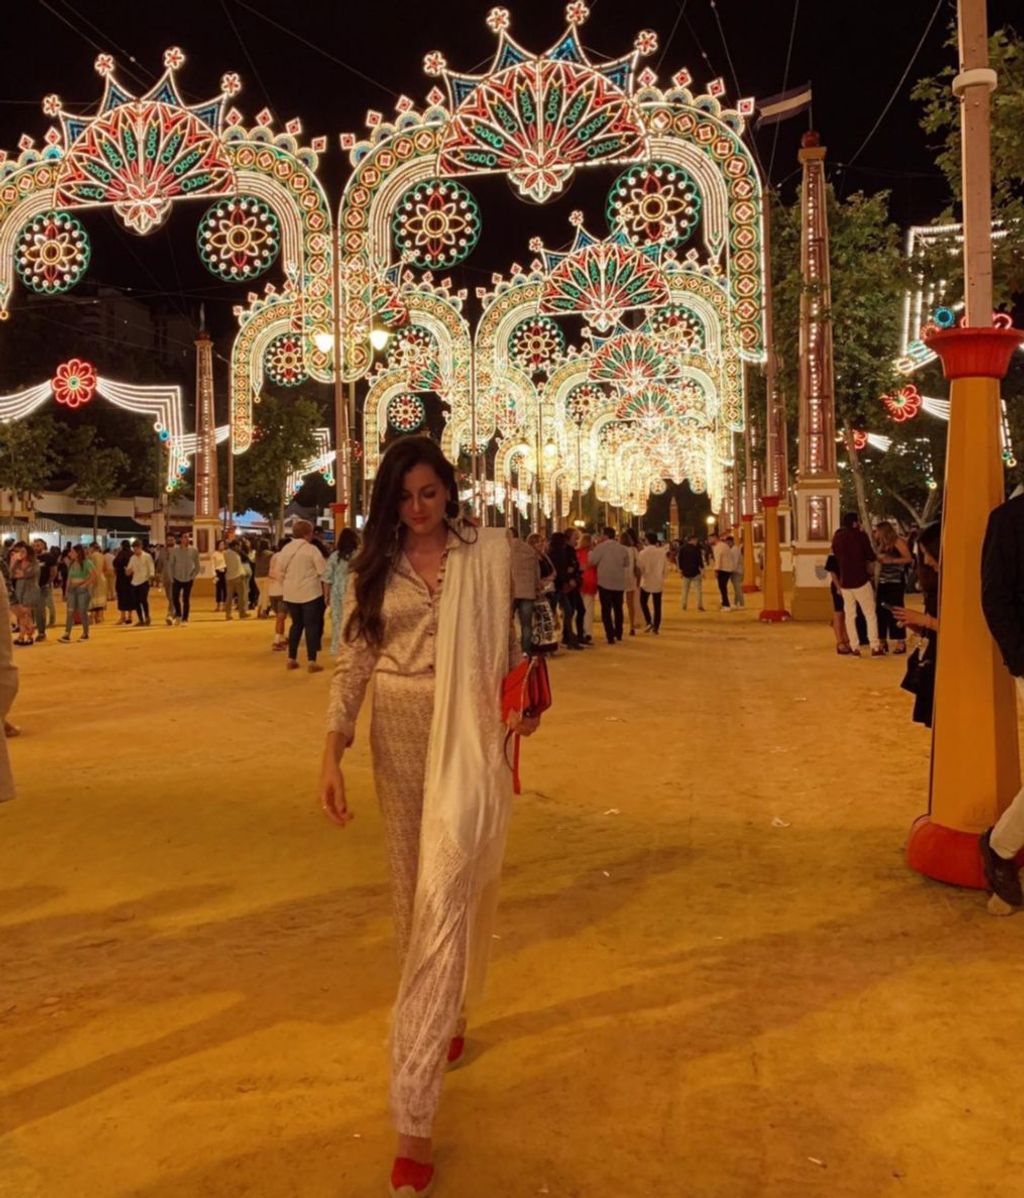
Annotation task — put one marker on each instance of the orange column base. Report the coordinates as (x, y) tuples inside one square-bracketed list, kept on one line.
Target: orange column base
[(945, 854), (750, 588), (774, 617)]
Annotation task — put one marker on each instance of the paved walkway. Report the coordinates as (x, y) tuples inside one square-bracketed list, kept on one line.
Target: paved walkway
[(715, 977)]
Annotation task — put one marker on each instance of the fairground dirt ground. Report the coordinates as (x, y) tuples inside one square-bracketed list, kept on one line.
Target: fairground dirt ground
[(715, 977)]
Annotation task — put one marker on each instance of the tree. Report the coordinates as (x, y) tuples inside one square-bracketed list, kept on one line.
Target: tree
[(97, 470), (941, 116), (27, 457), (869, 279), (283, 442)]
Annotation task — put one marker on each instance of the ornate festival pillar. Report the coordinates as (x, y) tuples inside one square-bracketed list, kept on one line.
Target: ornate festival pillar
[(206, 523), (817, 487)]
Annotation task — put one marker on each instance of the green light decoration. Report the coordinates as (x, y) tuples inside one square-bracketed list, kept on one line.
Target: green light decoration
[(536, 345), (676, 330), (654, 203), (406, 413), (52, 253), (239, 238), (436, 224), (283, 361)]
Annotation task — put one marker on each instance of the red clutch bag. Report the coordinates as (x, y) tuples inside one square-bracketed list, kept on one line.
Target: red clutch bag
[(525, 691)]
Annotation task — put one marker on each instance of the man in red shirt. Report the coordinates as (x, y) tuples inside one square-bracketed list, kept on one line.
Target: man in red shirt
[(855, 559)]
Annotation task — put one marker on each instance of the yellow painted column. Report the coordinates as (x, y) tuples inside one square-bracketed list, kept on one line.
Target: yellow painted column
[(774, 610), (975, 762), (749, 558)]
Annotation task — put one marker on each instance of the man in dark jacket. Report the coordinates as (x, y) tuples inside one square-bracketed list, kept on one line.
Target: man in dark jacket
[(1002, 599), (691, 564), (851, 547)]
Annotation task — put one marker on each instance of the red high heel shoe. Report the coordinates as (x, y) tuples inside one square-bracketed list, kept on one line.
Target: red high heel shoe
[(456, 1051), (411, 1179)]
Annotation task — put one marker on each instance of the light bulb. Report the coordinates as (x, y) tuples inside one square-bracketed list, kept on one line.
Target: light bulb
[(379, 338), (324, 341)]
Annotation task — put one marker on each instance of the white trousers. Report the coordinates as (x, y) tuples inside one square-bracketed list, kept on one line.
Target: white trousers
[(865, 596), (1008, 834)]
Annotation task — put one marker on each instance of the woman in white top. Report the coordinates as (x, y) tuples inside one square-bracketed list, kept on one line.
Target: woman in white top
[(628, 539), (220, 571)]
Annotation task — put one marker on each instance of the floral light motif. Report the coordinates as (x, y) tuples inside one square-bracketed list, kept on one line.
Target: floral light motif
[(646, 42), (239, 238), (436, 224), (583, 402), (904, 404), (406, 413), (655, 202), (537, 344), (498, 19), (74, 383), (676, 331), (52, 253), (415, 351), (629, 360), (283, 360), (651, 407)]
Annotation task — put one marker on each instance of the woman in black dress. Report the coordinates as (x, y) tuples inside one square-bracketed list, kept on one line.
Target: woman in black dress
[(123, 584)]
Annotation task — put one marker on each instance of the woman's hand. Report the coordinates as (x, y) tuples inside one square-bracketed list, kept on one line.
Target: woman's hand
[(332, 794), (906, 618)]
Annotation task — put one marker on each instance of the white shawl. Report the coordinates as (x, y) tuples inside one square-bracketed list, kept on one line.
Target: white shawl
[(467, 801)]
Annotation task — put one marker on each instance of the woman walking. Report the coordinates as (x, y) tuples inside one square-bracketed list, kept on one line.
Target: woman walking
[(79, 592), (336, 582), (567, 581), (25, 588), (628, 538), (429, 615), (123, 584), (220, 573), (588, 586), (893, 560), (98, 605)]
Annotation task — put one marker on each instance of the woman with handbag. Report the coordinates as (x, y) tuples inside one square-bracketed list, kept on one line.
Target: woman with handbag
[(919, 679), (628, 538), (428, 615)]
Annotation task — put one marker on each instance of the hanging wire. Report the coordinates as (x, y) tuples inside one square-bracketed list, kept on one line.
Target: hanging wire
[(668, 42), (107, 39), (735, 77), (903, 79), (785, 83), (248, 57), (85, 37), (319, 49)]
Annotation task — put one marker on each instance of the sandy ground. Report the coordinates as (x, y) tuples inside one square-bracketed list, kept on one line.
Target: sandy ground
[(686, 998)]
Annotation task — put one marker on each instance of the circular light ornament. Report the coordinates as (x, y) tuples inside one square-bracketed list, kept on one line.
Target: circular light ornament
[(52, 253), (283, 361), (239, 238), (406, 413), (74, 383), (536, 344), (654, 203), (436, 224)]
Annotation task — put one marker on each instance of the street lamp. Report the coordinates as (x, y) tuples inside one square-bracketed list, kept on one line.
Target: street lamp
[(324, 342), (379, 338)]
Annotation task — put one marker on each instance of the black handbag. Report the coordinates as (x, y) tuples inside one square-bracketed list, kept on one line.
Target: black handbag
[(918, 676)]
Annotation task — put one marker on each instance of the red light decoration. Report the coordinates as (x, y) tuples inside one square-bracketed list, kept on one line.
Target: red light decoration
[(74, 384), (904, 405)]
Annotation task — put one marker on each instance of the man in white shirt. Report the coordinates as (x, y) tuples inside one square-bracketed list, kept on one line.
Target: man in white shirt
[(653, 562), (300, 567), (236, 582), (140, 570), (736, 572), (722, 558)]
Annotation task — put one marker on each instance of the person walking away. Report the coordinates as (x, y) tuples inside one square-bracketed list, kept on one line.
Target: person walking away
[(162, 565), (691, 566), (653, 563), (893, 560), (108, 573), (140, 570), (722, 561), (572, 540), (278, 607), (614, 566), (8, 693), (301, 567), (628, 538), (79, 592), (123, 584), (1002, 600), (588, 586), (236, 584), (46, 611), (566, 581), (261, 576), (25, 588), (855, 559), (428, 618), (183, 569), (99, 584), (336, 576), (220, 574), (736, 573), (525, 586)]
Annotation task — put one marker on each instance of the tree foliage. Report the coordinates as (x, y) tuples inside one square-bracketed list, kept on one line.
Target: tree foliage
[(98, 470), (941, 118), (283, 442), (27, 455)]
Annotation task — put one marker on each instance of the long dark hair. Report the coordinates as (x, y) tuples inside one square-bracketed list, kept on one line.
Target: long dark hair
[(930, 538), (382, 534), (348, 543)]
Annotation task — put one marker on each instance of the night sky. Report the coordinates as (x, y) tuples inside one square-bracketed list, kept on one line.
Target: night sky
[(853, 54)]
